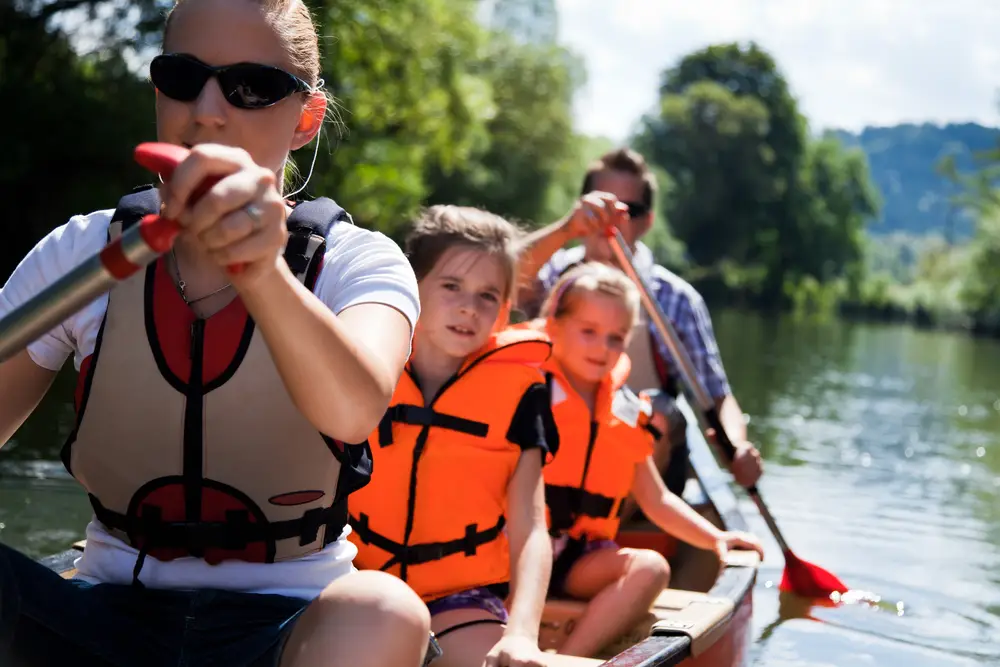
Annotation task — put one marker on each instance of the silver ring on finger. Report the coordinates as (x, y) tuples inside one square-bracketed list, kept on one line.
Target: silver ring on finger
[(256, 215)]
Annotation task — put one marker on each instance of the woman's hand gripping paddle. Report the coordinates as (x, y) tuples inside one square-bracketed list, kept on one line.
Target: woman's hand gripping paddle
[(138, 246)]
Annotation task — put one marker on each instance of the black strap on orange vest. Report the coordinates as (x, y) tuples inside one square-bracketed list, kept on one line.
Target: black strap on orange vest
[(566, 503), (419, 415), (418, 554)]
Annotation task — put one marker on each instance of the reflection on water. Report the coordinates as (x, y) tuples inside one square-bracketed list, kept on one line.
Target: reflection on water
[(883, 466)]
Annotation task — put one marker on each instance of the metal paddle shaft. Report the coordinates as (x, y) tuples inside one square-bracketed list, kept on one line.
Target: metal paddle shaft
[(135, 248), (708, 410)]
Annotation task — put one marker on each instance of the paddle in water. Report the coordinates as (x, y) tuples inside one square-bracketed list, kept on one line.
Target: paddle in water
[(800, 577), (138, 246)]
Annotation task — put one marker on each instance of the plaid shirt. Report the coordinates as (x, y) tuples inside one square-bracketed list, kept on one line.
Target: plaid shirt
[(680, 302)]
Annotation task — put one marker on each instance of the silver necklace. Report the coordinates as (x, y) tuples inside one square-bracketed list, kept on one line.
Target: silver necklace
[(182, 286)]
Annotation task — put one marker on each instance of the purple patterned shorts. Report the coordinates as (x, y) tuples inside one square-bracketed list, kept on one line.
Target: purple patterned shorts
[(483, 597), (559, 545), (565, 552)]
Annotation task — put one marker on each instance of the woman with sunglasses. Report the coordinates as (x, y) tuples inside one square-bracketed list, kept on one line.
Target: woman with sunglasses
[(217, 404)]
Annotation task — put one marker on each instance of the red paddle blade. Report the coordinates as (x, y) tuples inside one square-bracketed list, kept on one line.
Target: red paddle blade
[(808, 580)]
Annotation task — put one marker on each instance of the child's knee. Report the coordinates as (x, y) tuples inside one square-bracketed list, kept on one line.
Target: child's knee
[(649, 565)]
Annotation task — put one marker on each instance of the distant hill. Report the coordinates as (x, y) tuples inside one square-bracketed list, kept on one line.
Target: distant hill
[(903, 160)]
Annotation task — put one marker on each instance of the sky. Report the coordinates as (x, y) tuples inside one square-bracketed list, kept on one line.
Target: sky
[(850, 63)]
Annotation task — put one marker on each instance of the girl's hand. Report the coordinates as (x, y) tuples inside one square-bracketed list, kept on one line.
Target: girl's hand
[(738, 540), (515, 651), (240, 220)]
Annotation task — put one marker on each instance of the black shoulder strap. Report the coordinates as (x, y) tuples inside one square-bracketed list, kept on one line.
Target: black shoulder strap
[(308, 226), (142, 201)]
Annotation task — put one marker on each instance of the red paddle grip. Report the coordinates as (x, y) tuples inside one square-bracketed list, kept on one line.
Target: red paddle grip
[(163, 159)]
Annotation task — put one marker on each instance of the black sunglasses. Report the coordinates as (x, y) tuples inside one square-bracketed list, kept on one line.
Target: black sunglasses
[(636, 209), (245, 85)]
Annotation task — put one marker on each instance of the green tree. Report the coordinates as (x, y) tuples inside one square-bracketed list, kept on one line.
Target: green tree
[(837, 200), (409, 99), (531, 141), (713, 145), (981, 287), (752, 195), (71, 125)]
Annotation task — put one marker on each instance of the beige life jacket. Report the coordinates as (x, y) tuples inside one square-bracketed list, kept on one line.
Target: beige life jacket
[(187, 441)]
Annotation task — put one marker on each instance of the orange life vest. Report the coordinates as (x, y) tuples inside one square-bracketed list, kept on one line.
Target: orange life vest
[(434, 512), (186, 440), (587, 482)]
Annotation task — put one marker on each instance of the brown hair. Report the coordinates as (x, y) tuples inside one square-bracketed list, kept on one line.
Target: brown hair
[(442, 227), (590, 278), (292, 22), (627, 161)]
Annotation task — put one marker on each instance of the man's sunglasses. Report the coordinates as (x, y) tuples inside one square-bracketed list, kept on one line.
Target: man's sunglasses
[(245, 85), (635, 209)]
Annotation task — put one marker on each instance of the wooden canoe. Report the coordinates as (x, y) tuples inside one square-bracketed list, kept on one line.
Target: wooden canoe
[(702, 620)]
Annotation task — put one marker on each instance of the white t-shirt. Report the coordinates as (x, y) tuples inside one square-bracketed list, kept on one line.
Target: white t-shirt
[(360, 266)]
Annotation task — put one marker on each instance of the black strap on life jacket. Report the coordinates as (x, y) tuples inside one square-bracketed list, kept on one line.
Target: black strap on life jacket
[(235, 533), (652, 430), (418, 554), (419, 415), (308, 220), (566, 503)]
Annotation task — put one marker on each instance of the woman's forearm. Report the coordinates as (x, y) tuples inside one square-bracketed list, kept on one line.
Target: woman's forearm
[(335, 379)]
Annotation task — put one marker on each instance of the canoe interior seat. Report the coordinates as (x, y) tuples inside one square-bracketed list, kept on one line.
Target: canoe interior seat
[(700, 616)]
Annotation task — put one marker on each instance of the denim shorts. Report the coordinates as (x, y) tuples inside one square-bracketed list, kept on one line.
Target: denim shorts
[(47, 620)]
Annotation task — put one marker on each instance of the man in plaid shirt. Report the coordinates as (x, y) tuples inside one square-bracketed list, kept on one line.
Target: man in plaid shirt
[(619, 189)]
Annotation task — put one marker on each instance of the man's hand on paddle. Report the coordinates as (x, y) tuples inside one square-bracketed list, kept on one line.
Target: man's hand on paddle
[(747, 465), (593, 213)]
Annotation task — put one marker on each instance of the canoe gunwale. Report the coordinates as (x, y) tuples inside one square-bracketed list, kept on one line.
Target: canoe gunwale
[(62, 562), (666, 647)]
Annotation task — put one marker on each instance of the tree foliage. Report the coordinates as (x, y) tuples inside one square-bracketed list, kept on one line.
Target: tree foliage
[(753, 195)]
